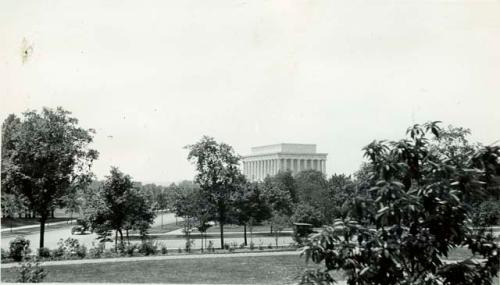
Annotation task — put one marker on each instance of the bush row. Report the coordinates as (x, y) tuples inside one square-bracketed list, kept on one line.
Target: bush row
[(71, 249)]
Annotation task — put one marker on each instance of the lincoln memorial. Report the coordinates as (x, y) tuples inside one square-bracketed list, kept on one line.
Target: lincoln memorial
[(271, 159)]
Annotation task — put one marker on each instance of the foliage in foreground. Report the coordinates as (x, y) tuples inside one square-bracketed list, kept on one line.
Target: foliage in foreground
[(423, 209), (30, 272)]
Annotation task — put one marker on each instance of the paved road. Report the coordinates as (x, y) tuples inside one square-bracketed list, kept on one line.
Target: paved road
[(52, 236)]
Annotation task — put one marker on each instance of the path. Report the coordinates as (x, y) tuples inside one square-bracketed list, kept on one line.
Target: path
[(162, 257), (8, 230)]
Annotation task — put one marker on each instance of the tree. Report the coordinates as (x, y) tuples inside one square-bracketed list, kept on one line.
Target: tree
[(46, 153), (191, 205), (421, 213), (119, 207), (279, 222), (250, 207), (305, 213), (277, 197), (311, 187), (11, 205), (140, 213), (218, 176), (285, 181)]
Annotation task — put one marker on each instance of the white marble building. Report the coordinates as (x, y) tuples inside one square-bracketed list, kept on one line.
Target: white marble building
[(270, 159)]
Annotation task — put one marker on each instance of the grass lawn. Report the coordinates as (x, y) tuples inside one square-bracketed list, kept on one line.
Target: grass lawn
[(232, 270), (166, 228)]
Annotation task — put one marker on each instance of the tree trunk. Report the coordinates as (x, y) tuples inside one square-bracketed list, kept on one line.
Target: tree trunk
[(116, 240), (52, 214), (201, 241), (121, 237), (245, 233), (221, 235), (128, 238), (43, 219)]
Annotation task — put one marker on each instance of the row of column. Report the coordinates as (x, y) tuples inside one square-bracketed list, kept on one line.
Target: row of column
[(259, 169)]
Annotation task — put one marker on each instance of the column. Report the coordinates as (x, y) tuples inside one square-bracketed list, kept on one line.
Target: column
[(266, 168), (257, 170), (263, 172), (252, 171), (324, 166)]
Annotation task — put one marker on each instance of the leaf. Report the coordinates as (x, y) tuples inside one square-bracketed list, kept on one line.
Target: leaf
[(364, 271)]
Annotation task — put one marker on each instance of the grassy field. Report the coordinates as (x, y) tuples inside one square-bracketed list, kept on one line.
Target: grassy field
[(233, 270)]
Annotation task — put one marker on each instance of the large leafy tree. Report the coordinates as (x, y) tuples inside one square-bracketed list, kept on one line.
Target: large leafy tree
[(421, 213), (46, 154), (311, 187), (218, 175), (285, 181), (190, 204), (250, 207), (119, 206)]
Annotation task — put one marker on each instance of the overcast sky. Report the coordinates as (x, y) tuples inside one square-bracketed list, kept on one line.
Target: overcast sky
[(154, 76)]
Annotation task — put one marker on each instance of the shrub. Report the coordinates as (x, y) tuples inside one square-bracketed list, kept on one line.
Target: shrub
[(69, 248), (210, 246), (189, 245), (164, 249), (57, 253), (226, 246), (81, 251), (252, 245), (97, 252), (5, 254), (44, 252), (30, 272), (19, 248), (270, 246), (110, 253), (148, 248), (179, 250), (131, 249), (261, 247), (242, 245)]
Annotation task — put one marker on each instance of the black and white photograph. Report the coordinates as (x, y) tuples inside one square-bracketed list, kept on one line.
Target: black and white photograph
[(348, 142)]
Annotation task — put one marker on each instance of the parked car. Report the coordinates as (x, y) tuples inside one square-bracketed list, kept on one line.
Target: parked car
[(81, 227)]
